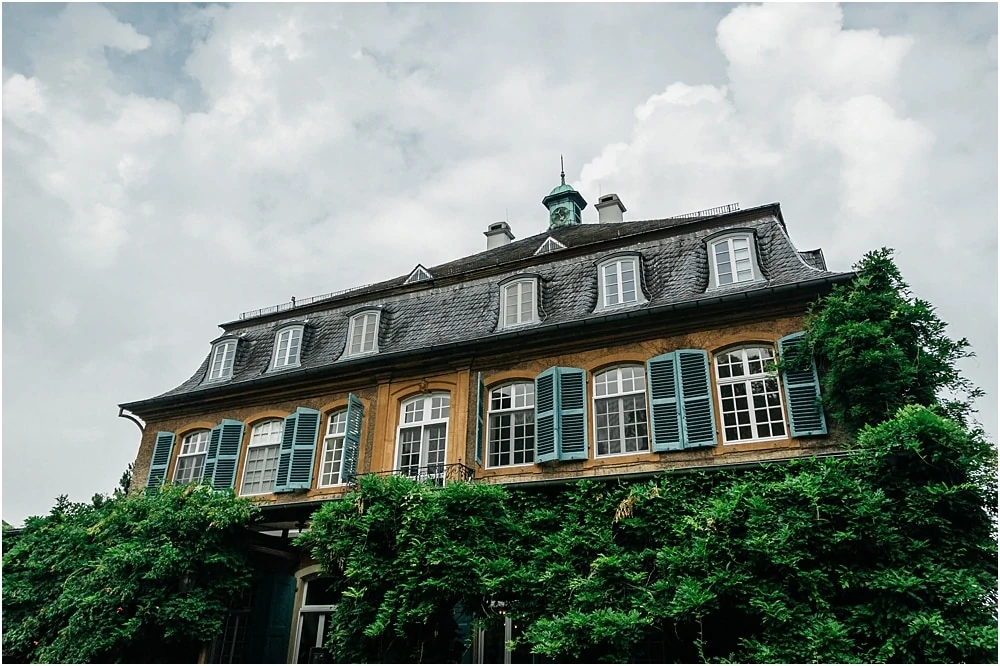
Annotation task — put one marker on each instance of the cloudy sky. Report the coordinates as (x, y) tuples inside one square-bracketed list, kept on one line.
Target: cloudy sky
[(166, 167)]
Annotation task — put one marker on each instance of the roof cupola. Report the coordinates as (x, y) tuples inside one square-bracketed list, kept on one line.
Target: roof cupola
[(565, 204)]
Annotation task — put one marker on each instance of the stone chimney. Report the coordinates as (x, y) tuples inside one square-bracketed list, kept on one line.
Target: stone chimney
[(609, 209), (498, 234)]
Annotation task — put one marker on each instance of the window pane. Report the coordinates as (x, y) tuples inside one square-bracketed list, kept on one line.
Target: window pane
[(333, 454)]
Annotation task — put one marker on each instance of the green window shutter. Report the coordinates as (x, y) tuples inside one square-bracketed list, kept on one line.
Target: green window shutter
[(352, 439), (662, 371), (480, 432), (805, 411), (285, 454), (212, 455), (230, 444), (303, 449), (572, 443), (697, 415), (162, 450), (546, 415)]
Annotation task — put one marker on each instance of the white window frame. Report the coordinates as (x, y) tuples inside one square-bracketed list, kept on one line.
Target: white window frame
[(258, 441), (746, 379), (522, 286), (736, 266), (411, 416), (523, 404), (324, 611), (285, 360), (369, 321), (223, 361), (333, 444), (603, 393), (194, 445), (603, 283)]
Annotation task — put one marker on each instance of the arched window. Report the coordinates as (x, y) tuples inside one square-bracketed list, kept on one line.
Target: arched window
[(732, 260), (333, 449), (363, 335), (511, 425), (191, 458), (621, 423), (221, 366), (749, 395), (261, 466), (287, 347), (423, 435), (618, 282), (518, 302)]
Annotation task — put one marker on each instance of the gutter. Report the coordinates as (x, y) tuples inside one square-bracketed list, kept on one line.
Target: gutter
[(531, 331)]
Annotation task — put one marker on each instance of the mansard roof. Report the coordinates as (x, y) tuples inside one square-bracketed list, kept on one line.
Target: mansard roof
[(460, 304)]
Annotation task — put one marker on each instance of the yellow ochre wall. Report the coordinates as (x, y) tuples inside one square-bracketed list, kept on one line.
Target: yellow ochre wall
[(382, 402)]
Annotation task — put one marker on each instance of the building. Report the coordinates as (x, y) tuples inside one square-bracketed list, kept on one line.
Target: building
[(617, 348)]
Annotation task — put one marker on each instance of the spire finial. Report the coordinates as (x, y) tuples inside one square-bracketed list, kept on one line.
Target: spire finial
[(562, 170)]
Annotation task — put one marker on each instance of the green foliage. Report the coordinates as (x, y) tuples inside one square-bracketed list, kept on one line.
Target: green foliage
[(879, 348), (886, 555), (137, 578)]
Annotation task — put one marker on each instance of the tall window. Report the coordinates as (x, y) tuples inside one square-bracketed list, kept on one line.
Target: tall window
[(363, 336), (333, 449), (287, 346), (262, 458), (315, 621), (518, 303), (512, 425), (732, 261), (423, 433), (749, 395), (221, 366), (620, 411), (191, 459), (619, 282)]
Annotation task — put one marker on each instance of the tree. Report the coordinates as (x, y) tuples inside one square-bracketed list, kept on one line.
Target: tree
[(139, 578)]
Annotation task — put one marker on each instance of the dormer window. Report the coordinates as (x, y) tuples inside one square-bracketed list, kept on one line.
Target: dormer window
[(518, 302), (618, 283), (363, 335), (732, 260), (221, 366), (418, 274), (550, 245), (287, 347)]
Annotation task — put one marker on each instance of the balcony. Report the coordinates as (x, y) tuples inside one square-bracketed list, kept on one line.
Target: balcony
[(437, 475)]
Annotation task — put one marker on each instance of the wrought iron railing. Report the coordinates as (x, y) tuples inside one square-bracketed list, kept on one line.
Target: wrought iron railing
[(296, 302), (437, 475), (709, 212)]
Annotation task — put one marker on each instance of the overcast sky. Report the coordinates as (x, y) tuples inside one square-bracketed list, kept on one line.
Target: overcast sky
[(166, 167)]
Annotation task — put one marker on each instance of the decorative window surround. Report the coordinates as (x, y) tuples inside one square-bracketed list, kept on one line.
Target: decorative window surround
[(287, 347), (191, 458), (223, 357), (621, 421), (362, 336), (511, 425), (518, 302), (261, 466), (749, 396), (619, 283), (422, 436)]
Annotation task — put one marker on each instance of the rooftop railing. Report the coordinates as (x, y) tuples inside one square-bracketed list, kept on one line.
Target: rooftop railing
[(297, 302), (709, 212)]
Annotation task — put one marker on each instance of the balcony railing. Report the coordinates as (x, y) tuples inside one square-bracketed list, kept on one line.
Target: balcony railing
[(437, 475)]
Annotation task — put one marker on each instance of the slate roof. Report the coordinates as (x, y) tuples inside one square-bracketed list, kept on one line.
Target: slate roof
[(674, 270)]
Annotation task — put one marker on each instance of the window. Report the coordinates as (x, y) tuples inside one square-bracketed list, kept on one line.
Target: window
[(512, 425), (287, 346), (620, 411), (191, 459), (418, 274), (221, 366), (262, 458), (423, 433), (363, 336), (333, 449), (518, 304), (732, 261), (315, 622), (749, 395), (618, 283), (550, 245)]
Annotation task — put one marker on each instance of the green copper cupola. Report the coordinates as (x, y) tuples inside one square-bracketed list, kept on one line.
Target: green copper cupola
[(565, 205)]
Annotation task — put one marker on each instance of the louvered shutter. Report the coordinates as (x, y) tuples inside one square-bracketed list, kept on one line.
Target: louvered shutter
[(666, 420), (208, 471), (285, 454), (303, 449), (163, 448), (572, 441), (480, 433), (230, 445), (805, 411), (352, 439), (546, 415), (697, 415)]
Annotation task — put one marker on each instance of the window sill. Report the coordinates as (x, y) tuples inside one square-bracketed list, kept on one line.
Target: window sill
[(605, 456), (756, 445), (500, 468)]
